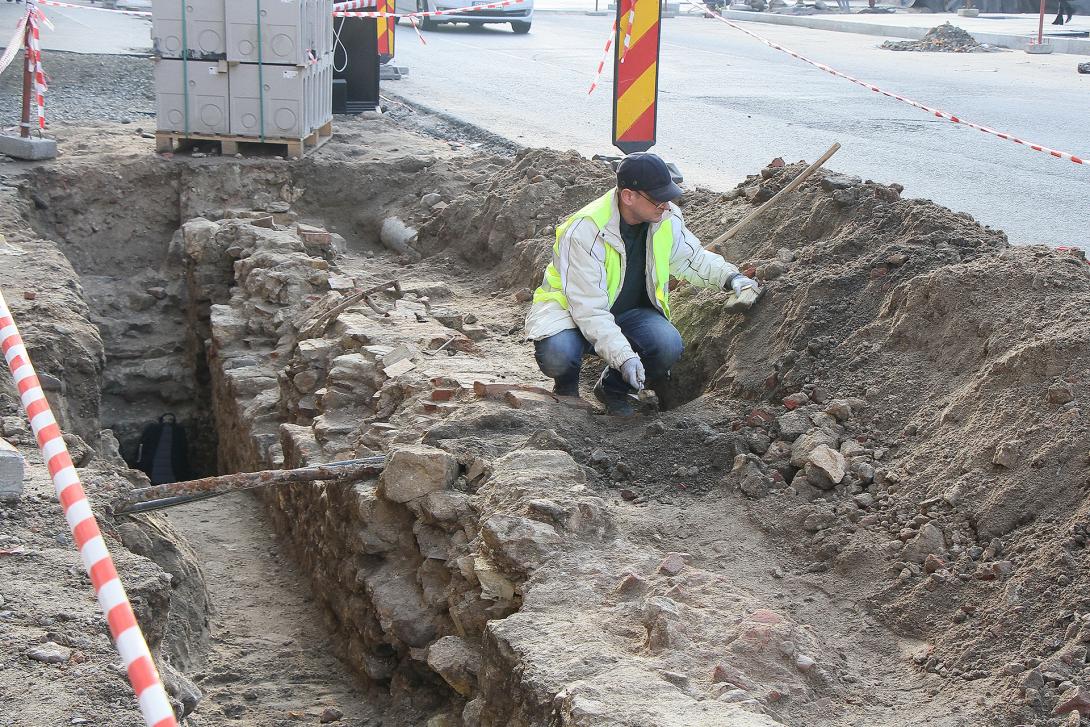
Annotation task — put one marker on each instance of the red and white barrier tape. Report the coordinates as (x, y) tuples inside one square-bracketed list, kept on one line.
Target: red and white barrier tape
[(344, 12), (34, 63), (628, 30), (55, 3), (602, 63), (412, 22), (13, 46), (353, 5), (143, 676), (936, 112)]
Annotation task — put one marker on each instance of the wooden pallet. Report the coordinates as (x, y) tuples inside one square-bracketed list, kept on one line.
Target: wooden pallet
[(165, 141)]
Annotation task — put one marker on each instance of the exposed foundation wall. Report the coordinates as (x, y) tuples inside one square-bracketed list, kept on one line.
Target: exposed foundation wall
[(432, 576), (391, 565)]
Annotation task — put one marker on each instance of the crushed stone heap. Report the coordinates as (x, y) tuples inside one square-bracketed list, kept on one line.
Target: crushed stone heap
[(945, 38)]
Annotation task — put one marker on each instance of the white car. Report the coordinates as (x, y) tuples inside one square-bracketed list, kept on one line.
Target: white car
[(519, 15), (126, 4)]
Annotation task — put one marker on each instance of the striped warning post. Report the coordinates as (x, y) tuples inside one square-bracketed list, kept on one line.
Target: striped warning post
[(385, 30), (154, 705), (636, 75), (34, 62)]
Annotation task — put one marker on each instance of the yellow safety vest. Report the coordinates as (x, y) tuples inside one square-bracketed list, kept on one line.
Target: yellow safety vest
[(599, 212)]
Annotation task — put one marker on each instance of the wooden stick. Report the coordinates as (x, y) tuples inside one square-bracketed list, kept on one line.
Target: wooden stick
[(175, 493), (791, 187)]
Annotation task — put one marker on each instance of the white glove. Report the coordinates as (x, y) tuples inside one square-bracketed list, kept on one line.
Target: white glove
[(741, 283), (746, 292), (633, 374)]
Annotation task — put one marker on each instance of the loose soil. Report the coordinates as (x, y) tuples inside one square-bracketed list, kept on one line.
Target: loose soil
[(939, 578)]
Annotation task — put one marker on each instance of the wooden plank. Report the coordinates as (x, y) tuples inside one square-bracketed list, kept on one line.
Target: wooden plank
[(326, 129), (166, 141)]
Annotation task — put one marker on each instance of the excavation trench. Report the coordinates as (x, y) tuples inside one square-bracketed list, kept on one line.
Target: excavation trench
[(757, 555)]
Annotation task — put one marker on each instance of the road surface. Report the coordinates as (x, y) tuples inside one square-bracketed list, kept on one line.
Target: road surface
[(729, 104), (83, 31)]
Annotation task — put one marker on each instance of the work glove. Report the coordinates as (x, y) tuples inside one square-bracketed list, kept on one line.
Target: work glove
[(745, 292), (633, 374)]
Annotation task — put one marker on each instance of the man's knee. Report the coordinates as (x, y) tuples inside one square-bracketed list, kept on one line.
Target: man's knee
[(559, 354), (664, 349)]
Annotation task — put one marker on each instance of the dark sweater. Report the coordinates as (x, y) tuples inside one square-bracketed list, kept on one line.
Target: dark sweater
[(633, 293)]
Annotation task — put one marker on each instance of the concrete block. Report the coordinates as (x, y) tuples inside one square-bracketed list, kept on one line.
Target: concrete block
[(30, 148), (12, 468)]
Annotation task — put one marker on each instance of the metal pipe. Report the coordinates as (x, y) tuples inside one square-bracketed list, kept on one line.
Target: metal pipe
[(179, 492)]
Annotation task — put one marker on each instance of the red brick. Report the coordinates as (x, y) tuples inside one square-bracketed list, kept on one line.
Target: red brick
[(443, 394)]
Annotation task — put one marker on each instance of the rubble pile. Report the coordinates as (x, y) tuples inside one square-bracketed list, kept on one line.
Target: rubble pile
[(931, 417), (945, 38)]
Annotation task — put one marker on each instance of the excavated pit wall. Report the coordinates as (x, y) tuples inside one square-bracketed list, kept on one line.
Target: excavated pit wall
[(51, 303), (424, 573)]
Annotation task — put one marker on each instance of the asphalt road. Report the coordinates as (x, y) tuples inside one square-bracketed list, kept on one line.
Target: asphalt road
[(729, 104), (82, 31)]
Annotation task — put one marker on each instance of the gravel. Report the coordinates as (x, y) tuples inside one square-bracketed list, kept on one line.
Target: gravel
[(83, 87)]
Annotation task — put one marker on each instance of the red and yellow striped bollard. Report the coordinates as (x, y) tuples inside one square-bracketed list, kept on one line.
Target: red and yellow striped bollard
[(385, 30), (636, 74)]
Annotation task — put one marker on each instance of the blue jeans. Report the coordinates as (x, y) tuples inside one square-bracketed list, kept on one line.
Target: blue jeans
[(654, 338)]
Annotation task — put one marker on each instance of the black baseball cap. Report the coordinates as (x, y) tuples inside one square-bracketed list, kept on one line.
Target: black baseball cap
[(646, 172)]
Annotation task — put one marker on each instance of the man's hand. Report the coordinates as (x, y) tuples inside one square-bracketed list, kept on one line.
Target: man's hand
[(740, 283), (632, 372), (745, 292)]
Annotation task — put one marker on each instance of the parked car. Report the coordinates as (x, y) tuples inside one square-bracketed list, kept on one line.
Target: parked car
[(520, 15), (125, 4)]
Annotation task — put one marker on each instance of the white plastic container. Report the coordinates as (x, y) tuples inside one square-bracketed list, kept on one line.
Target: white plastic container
[(295, 100), (284, 32), (208, 97), (205, 28)]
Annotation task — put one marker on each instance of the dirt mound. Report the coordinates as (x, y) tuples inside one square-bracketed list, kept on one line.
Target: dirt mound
[(971, 359), (945, 38), (945, 368), (512, 217)]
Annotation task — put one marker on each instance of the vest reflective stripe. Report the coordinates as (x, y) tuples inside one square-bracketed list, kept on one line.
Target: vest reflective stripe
[(599, 212), (663, 244)]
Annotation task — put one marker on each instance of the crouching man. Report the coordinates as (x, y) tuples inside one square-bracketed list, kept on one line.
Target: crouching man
[(607, 288)]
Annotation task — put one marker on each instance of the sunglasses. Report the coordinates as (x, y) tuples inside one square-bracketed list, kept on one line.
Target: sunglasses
[(656, 203)]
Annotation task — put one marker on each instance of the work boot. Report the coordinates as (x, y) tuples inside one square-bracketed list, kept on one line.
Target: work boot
[(617, 405), (566, 389)]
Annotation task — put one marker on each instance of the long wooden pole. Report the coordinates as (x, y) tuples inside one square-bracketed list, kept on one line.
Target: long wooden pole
[(176, 493), (789, 188)]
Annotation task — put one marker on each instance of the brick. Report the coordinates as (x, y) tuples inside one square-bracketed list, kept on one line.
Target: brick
[(495, 390), (527, 400), (318, 239)]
